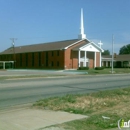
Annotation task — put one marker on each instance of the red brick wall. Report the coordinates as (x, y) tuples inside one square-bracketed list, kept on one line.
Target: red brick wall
[(74, 55), (67, 59), (90, 55), (97, 59), (41, 63), (70, 57)]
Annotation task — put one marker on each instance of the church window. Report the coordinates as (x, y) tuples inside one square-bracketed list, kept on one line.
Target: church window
[(52, 53), (57, 53), (26, 59), (32, 59)]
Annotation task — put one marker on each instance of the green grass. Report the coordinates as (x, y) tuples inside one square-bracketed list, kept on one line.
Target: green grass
[(111, 103), (106, 71), (27, 76)]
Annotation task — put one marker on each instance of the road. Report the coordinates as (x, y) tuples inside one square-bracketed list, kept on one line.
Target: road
[(22, 91)]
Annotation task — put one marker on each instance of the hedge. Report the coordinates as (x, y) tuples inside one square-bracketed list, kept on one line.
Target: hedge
[(99, 68), (83, 68)]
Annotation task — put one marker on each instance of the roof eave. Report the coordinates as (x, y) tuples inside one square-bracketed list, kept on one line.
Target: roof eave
[(74, 43), (100, 49)]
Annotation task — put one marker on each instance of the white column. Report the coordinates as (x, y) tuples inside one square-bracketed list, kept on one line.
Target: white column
[(95, 59), (102, 63), (79, 59), (84, 58), (100, 59), (3, 65)]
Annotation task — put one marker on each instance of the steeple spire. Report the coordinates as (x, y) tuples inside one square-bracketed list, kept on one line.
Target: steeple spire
[(82, 35)]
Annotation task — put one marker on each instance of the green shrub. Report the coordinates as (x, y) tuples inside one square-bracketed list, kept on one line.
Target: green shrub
[(83, 68), (99, 68)]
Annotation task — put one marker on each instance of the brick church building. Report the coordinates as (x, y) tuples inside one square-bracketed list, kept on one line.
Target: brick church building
[(67, 54)]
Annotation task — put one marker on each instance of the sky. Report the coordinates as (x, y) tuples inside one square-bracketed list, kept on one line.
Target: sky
[(41, 21)]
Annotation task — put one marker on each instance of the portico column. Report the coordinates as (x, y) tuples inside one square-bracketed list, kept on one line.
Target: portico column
[(84, 58), (79, 58), (102, 63), (100, 59), (94, 59)]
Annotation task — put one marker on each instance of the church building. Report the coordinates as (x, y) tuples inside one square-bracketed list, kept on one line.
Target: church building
[(67, 54)]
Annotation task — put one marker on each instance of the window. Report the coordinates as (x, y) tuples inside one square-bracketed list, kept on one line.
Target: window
[(46, 58), (11, 57), (20, 59), (57, 63), (26, 59), (39, 58), (57, 53), (32, 59), (52, 64), (52, 53)]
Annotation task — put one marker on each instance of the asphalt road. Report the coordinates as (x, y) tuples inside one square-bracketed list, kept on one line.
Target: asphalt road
[(22, 91)]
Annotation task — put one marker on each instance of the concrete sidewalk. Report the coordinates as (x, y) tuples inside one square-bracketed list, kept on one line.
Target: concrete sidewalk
[(34, 119)]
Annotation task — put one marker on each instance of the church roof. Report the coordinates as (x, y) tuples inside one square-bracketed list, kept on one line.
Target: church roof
[(59, 45), (125, 57), (77, 47), (86, 43)]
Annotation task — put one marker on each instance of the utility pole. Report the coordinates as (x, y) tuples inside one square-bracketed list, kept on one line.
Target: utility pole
[(112, 53), (13, 46)]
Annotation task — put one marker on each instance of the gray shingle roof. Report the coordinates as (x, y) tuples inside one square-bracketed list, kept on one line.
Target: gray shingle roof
[(125, 57), (77, 47), (59, 45)]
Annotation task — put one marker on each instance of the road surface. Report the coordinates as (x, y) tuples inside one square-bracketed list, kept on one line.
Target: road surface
[(22, 91)]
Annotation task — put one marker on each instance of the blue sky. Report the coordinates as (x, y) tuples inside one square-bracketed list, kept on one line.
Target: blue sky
[(39, 21)]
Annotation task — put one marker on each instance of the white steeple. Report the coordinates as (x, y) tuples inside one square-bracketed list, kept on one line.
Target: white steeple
[(82, 35)]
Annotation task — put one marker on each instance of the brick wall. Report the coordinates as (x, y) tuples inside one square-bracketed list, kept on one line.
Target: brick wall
[(37, 59), (97, 59), (56, 59), (71, 57), (90, 55)]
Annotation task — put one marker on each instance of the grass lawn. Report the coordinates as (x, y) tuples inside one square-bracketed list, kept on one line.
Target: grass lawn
[(28, 76), (114, 104), (107, 71)]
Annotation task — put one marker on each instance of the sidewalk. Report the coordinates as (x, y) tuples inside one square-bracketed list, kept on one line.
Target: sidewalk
[(34, 119)]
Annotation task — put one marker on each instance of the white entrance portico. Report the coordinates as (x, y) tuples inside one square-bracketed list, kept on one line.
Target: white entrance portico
[(84, 59), (89, 52)]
